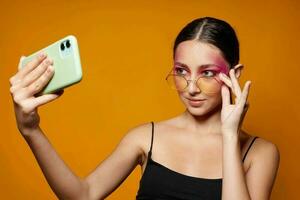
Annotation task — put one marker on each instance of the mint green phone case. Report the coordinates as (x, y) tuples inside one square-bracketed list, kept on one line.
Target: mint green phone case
[(66, 63)]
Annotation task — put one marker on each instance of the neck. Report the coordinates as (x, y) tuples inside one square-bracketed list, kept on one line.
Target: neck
[(208, 124)]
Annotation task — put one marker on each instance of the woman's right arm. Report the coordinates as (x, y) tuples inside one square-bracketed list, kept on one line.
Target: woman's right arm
[(28, 81), (102, 181), (63, 182)]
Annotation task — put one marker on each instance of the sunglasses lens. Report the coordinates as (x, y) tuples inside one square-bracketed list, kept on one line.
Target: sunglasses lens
[(209, 85), (176, 82)]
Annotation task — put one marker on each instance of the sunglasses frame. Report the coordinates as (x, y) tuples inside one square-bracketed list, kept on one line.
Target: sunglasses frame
[(188, 80)]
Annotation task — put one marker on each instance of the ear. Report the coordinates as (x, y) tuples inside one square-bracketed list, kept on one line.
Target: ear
[(238, 70)]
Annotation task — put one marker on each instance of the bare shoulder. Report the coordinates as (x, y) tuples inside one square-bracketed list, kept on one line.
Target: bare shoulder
[(265, 148), (263, 168), (139, 136), (261, 147), (138, 132), (264, 152)]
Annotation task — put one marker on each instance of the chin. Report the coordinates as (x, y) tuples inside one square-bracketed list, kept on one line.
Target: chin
[(198, 111)]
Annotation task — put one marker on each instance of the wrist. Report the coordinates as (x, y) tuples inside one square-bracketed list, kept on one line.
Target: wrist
[(230, 136), (28, 133)]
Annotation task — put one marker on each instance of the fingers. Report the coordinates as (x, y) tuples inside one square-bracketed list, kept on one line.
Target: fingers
[(37, 72), (225, 79), (27, 68), (41, 100), (235, 83), (244, 95), (225, 96), (232, 82), (41, 82), (24, 93), (20, 62), (14, 79), (33, 75)]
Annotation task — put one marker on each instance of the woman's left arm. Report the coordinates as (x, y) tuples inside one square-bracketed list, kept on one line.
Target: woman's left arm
[(258, 182)]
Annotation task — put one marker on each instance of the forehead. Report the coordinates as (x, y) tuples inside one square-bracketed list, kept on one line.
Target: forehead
[(195, 53)]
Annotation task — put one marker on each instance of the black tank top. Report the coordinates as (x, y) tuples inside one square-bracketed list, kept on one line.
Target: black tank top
[(159, 182)]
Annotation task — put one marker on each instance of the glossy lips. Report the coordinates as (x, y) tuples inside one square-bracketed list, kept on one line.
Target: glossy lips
[(196, 102)]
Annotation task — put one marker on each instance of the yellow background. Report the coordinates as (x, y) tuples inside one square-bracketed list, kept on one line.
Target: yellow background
[(126, 51)]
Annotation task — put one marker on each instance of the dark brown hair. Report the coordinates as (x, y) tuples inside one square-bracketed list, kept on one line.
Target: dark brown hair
[(213, 31)]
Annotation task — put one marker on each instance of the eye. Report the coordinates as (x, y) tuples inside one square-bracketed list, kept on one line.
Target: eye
[(209, 73), (179, 71)]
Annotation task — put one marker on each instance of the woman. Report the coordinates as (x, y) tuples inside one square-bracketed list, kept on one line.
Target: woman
[(200, 154)]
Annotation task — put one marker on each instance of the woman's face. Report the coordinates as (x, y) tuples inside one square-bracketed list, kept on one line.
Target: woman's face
[(193, 59)]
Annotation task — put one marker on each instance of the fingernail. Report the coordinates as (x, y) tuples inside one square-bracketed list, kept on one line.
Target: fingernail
[(42, 54), (50, 61), (50, 68)]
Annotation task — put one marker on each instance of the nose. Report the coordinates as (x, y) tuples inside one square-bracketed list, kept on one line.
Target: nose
[(192, 86)]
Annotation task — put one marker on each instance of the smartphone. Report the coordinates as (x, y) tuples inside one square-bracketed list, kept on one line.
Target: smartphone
[(66, 63)]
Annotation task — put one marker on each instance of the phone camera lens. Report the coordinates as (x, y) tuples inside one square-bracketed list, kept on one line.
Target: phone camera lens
[(68, 44), (62, 46)]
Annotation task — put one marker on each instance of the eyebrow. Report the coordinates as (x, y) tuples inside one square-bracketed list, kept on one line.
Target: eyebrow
[(200, 66)]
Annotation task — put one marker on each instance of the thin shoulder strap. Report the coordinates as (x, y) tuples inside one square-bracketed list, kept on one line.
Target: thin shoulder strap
[(249, 147), (150, 151)]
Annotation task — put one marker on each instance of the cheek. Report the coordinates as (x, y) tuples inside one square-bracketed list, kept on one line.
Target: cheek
[(215, 98), (211, 90)]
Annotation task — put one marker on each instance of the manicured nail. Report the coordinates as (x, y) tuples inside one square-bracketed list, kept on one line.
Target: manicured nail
[(49, 61), (42, 54), (50, 68)]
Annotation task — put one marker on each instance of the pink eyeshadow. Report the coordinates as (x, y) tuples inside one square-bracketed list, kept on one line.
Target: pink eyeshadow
[(224, 69), (222, 66)]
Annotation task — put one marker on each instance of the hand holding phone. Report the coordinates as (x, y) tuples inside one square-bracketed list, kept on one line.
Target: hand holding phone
[(24, 85), (35, 74), (66, 62)]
